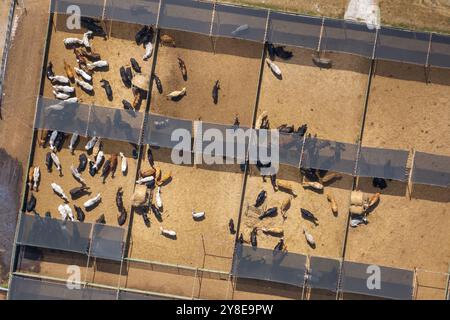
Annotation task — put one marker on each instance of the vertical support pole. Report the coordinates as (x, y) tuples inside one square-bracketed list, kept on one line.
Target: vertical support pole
[(228, 287), (198, 145), (213, 15), (193, 285), (87, 122), (103, 19), (374, 52), (89, 253), (427, 63), (267, 26), (411, 171), (447, 289), (339, 283), (305, 280), (301, 157), (159, 13), (321, 35), (415, 286), (375, 43), (55, 9)]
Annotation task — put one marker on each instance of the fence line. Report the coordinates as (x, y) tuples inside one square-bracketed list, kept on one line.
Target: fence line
[(176, 266), (399, 44), (6, 46), (366, 162), (139, 157), (95, 285)]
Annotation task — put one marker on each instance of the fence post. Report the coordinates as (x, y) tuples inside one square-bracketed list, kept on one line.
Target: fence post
[(427, 63), (411, 171), (193, 285), (447, 289), (321, 35), (415, 285), (213, 15), (159, 13)]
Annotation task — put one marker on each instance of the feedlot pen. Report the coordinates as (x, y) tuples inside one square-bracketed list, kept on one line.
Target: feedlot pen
[(338, 104)]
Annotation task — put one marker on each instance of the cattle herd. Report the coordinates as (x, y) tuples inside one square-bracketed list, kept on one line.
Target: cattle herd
[(98, 164), (314, 180), (152, 179)]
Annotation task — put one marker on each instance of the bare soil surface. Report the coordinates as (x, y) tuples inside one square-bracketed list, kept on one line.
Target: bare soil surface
[(329, 231), (330, 102), (235, 63), (404, 233), (17, 110), (207, 243), (405, 112)]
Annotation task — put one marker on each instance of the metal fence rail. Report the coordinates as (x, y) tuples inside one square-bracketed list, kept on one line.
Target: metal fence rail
[(96, 240), (224, 20), (322, 273), (382, 163), (377, 281), (269, 265), (89, 120), (6, 45), (24, 288), (431, 169), (167, 132)]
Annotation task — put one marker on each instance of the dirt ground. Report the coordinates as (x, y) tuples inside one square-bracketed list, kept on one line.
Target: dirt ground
[(48, 201), (404, 233), (412, 14), (235, 64), (20, 88), (117, 50), (330, 101), (404, 112), (328, 234), (214, 190), (431, 285), (179, 282)]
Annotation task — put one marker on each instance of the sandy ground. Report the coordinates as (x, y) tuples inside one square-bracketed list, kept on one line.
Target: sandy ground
[(404, 233), (327, 100), (417, 14), (214, 190), (431, 285), (117, 50), (175, 281), (411, 14), (20, 89), (328, 234), (404, 112), (235, 64), (48, 201)]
